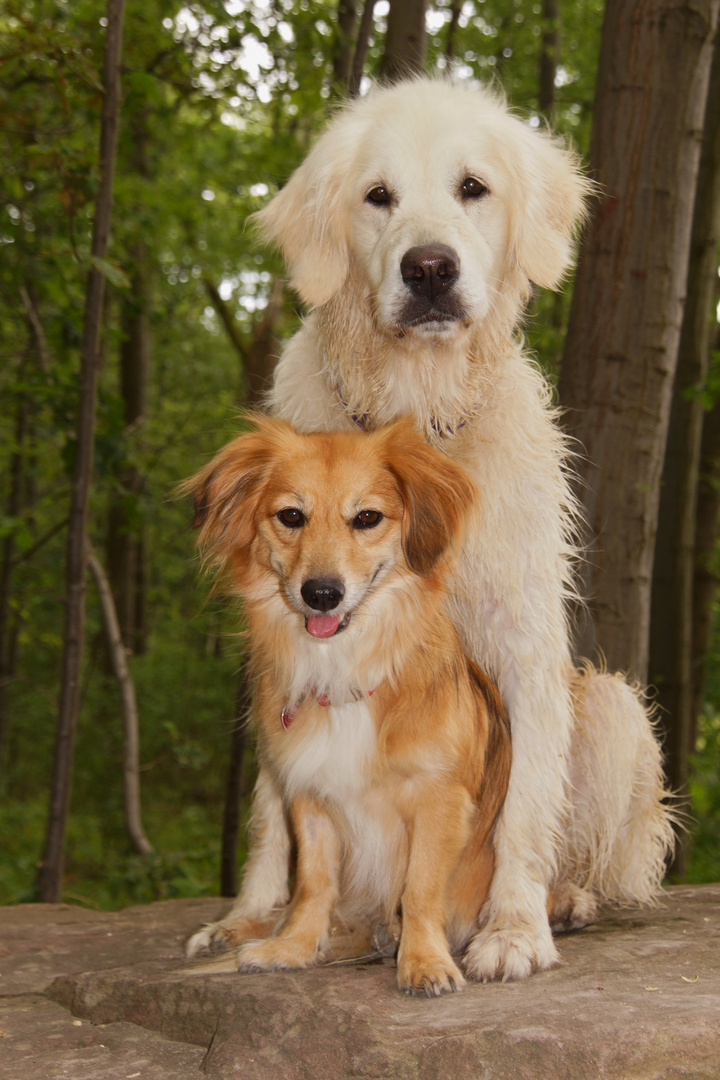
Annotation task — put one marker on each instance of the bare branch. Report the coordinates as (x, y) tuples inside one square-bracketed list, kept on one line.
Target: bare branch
[(131, 778), (37, 328)]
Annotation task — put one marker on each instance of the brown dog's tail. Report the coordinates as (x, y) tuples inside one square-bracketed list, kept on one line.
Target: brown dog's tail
[(473, 876), (498, 753)]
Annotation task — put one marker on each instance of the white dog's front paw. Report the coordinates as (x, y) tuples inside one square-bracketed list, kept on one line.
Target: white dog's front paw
[(211, 939), (571, 907), (508, 952), (233, 931)]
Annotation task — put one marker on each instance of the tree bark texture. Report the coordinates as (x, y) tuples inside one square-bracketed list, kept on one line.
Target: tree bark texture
[(549, 57), (624, 330), (53, 860), (131, 740), (671, 653), (405, 40)]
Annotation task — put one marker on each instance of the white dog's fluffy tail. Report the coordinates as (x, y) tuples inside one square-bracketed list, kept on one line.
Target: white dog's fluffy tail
[(620, 835)]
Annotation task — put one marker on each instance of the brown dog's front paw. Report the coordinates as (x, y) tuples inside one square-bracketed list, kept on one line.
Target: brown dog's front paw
[(276, 954), (428, 974)]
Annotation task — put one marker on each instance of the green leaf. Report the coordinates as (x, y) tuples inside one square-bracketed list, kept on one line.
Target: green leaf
[(114, 274)]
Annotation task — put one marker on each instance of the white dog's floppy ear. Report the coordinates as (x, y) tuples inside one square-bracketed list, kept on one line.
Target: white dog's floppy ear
[(549, 205), (307, 219)]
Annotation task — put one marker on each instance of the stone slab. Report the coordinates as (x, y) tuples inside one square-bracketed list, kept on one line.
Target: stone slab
[(637, 997)]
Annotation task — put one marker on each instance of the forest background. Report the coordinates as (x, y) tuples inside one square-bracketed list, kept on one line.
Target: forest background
[(219, 102)]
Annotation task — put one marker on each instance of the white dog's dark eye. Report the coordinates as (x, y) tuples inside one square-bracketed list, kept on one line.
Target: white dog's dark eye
[(291, 517), (378, 195), (472, 188), (367, 519)]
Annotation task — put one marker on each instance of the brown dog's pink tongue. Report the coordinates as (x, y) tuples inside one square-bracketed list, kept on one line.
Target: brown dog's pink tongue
[(322, 625)]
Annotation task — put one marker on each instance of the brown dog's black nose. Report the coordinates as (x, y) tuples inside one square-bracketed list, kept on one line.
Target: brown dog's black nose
[(430, 270), (322, 594)]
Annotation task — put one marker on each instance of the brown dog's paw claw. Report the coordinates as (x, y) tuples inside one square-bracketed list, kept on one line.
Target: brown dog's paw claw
[(429, 976)]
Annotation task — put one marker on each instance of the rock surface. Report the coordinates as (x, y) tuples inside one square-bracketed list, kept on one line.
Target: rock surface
[(95, 995)]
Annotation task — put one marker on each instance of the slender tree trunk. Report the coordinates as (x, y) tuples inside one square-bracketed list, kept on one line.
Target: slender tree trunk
[(234, 789), (52, 865), (671, 631), (257, 355), (449, 50), (549, 57), (258, 359), (7, 634), (13, 508), (264, 347), (344, 45), (361, 48), (705, 579), (125, 536), (624, 331), (405, 40), (131, 762)]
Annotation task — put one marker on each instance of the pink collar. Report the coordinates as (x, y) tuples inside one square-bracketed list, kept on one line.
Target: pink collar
[(290, 711)]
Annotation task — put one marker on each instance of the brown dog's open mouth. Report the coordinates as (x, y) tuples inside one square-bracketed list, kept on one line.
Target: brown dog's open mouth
[(326, 625)]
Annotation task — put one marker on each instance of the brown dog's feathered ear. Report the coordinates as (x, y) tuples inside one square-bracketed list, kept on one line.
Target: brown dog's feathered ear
[(226, 492), (307, 219), (437, 495)]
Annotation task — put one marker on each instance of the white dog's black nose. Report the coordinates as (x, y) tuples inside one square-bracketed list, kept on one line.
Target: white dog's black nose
[(322, 594), (430, 271)]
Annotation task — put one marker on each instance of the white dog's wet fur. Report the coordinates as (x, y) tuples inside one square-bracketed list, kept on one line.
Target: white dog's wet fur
[(414, 232)]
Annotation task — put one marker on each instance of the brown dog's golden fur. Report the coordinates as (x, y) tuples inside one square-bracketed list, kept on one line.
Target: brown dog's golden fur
[(390, 749)]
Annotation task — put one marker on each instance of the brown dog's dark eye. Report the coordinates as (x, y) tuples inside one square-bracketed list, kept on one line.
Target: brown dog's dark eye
[(291, 517), (472, 188), (378, 196), (367, 519)]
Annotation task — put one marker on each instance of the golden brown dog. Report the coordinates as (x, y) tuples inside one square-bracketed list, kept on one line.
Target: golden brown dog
[(389, 747)]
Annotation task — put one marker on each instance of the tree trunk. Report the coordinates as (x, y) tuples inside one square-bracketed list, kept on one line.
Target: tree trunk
[(264, 347), (125, 536), (13, 508), (705, 579), (51, 868), (671, 631), (7, 632), (344, 45), (234, 789), (405, 40), (258, 355), (449, 50), (131, 740), (361, 48), (549, 57), (624, 331)]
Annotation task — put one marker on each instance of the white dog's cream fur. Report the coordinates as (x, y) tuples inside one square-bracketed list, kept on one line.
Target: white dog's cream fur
[(432, 166)]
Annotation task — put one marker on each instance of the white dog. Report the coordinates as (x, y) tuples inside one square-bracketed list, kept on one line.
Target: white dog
[(413, 231)]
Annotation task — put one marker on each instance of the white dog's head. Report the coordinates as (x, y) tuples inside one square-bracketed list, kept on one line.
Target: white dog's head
[(443, 198)]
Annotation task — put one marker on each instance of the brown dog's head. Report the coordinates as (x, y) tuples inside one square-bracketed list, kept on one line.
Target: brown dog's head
[(318, 523)]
